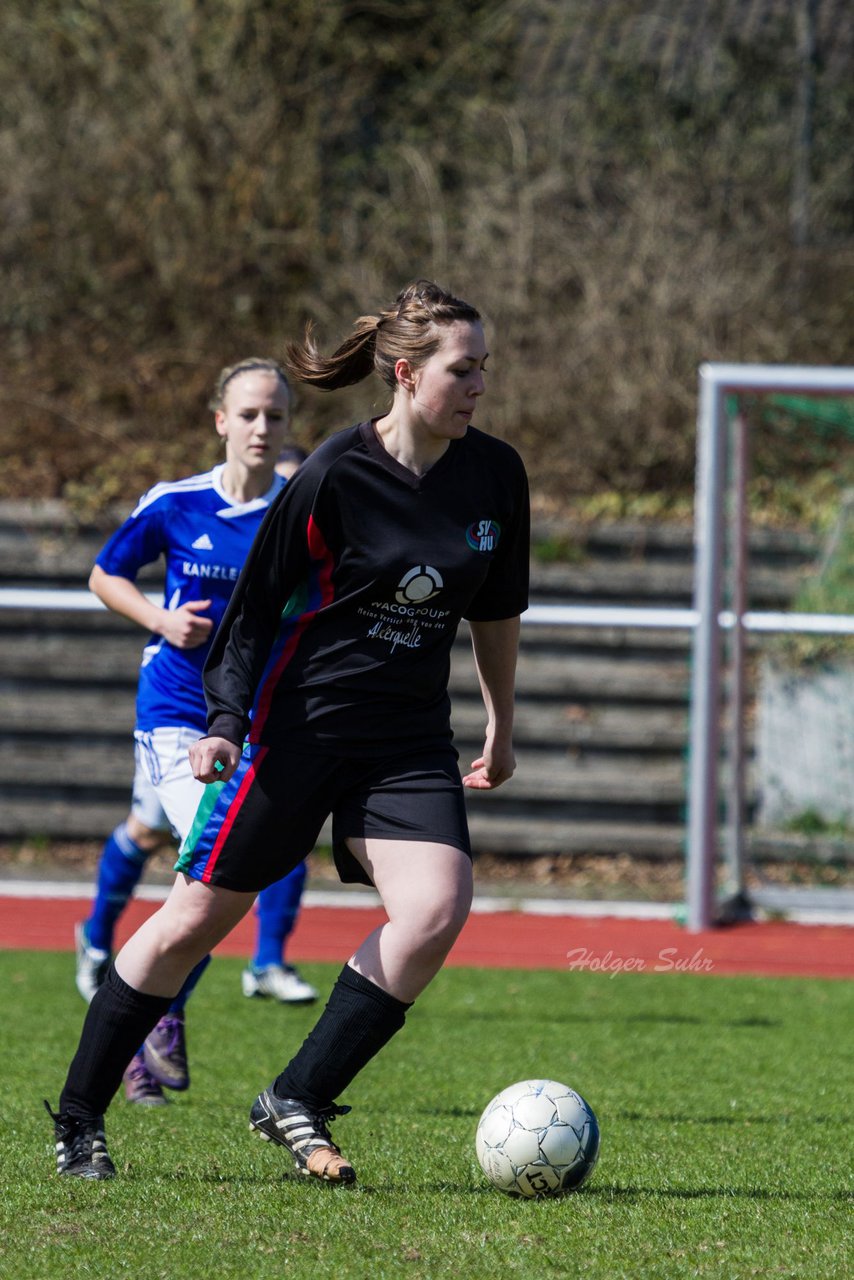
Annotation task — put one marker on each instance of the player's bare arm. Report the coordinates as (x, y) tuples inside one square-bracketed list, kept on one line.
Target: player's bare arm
[(185, 627), (496, 646)]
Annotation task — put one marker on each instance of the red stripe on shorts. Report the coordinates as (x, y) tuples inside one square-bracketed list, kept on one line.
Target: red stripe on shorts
[(233, 810)]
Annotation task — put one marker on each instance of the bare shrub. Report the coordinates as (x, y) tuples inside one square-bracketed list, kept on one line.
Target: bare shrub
[(186, 183)]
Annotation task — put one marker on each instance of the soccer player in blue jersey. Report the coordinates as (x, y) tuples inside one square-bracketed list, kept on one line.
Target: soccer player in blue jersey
[(327, 691), (203, 526)]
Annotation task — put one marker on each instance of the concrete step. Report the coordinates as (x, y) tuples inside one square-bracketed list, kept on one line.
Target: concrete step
[(519, 835), (78, 765), (92, 818), (624, 561), (66, 816), (652, 584), (82, 657), (597, 642), (59, 711), (660, 540), (62, 559), (72, 658), (540, 775), (44, 708), (664, 680), (68, 565), (28, 526), (588, 726)]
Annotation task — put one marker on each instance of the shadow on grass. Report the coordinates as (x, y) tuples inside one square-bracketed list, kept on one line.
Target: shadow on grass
[(632, 1193), (658, 1117), (690, 1020), (733, 1117), (604, 1191), (455, 1113), (247, 1181), (573, 1018), (291, 1178)]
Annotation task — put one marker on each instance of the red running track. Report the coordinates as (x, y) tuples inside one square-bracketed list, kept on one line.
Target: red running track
[(501, 939)]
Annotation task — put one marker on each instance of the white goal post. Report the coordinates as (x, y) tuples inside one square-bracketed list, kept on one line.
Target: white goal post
[(721, 466)]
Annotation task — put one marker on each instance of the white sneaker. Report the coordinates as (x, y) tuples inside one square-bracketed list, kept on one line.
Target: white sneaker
[(92, 964), (281, 981)]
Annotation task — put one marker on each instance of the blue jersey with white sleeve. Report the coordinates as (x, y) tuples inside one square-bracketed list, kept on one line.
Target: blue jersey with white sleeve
[(204, 537)]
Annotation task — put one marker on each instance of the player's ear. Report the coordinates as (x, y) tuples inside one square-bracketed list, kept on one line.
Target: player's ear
[(405, 374), (219, 422)]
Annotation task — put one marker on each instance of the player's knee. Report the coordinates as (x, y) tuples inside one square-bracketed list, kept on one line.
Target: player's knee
[(180, 943), (439, 922), (144, 837), (182, 935)]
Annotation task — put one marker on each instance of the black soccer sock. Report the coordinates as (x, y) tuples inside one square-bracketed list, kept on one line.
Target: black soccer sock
[(358, 1020), (118, 1020)]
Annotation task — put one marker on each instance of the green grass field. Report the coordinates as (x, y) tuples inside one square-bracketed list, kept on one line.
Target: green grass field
[(724, 1105)]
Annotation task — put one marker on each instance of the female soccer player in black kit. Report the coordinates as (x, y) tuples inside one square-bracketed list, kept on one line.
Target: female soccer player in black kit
[(327, 691)]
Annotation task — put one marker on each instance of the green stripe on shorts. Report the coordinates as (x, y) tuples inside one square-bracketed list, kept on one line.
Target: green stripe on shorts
[(207, 804)]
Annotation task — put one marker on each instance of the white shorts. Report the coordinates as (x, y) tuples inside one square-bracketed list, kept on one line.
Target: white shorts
[(165, 793)]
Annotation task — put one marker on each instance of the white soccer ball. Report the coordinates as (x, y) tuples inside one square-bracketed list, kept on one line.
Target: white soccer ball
[(537, 1138)]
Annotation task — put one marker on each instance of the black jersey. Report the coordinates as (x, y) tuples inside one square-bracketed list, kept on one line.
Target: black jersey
[(339, 631)]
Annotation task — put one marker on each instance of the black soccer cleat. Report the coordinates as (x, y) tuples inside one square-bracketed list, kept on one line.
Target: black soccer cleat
[(304, 1132), (81, 1147)]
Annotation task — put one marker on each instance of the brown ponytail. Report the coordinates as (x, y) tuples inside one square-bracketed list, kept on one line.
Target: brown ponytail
[(409, 330)]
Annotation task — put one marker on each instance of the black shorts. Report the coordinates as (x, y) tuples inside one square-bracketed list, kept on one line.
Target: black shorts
[(255, 828)]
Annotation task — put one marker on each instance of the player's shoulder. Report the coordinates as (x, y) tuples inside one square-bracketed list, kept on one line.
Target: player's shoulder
[(189, 491), (480, 447), (323, 462), (332, 448)]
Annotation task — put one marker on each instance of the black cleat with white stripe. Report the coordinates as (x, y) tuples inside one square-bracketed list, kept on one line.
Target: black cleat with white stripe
[(304, 1132), (81, 1147)]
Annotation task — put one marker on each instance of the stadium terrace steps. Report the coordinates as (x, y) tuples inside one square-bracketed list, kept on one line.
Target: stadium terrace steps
[(541, 775), (665, 585), (656, 584), (623, 561), (51, 708), (577, 676), (508, 834), (61, 656), (65, 657), (602, 713)]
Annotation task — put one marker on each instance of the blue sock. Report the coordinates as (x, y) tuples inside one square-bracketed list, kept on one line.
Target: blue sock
[(276, 909), (177, 1005), (119, 872)]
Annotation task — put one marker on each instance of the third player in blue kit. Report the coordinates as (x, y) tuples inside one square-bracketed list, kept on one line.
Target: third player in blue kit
[(203, 527)]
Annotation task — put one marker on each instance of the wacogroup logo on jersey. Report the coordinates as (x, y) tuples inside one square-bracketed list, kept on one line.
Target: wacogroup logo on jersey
[(420, 583), (483, 535), (403, 623)]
